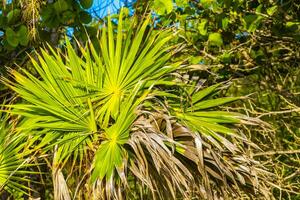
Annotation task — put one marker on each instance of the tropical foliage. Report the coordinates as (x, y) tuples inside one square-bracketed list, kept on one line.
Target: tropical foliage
[(13, 157), (25, 24), (184, 100)]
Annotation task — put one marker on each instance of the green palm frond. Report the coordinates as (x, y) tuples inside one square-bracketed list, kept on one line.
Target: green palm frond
[(76, 102), (83, 94), (111, 152), (13, 161)]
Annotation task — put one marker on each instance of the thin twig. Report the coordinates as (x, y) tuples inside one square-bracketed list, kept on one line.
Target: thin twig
[(279, 112), (269, 153)]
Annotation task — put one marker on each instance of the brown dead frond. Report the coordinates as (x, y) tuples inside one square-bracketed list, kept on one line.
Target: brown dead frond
[(174, 162)]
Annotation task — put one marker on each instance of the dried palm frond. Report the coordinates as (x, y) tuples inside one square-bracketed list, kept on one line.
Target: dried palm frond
[(171, 160)]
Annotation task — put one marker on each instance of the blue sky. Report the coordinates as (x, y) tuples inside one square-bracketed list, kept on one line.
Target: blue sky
[(100, 8)]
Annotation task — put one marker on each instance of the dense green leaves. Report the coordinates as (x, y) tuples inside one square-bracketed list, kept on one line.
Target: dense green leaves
[(16, 38), (202, 27), (65, 12), (215, 39), (112, 117), (25, 25), (86, 3), (163, 6)]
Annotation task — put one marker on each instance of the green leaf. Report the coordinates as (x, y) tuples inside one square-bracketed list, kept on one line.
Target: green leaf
[(197, 96), (202, 27), (292, 26), (23, 35), (252, 22), (208, 3), (227, 3), (61, 6), (48, 12), (126, 11), (12, 153), (195, 59), (211, 124), (182, 3), (85, 17), (259, 8), (213, 103), (272, 10), (225, 22), (107, 158), (86, 4), (213, 5), (219, 116), (13, 16), (225, 58), (68, 17), (3, 21), (163, 6), (11, 37), (215, 39), (110, 153)]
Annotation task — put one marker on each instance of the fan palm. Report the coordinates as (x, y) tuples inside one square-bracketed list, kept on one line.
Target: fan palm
[(13, 162), (121, 122)]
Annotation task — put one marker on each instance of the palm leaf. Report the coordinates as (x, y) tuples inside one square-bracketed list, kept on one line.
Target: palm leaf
[(13, 161)]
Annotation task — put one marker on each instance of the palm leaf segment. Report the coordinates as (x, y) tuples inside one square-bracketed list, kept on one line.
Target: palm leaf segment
[(12, 157), (101, 103)]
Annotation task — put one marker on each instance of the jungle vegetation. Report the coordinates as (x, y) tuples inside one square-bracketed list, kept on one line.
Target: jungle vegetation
[(164, 99)]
